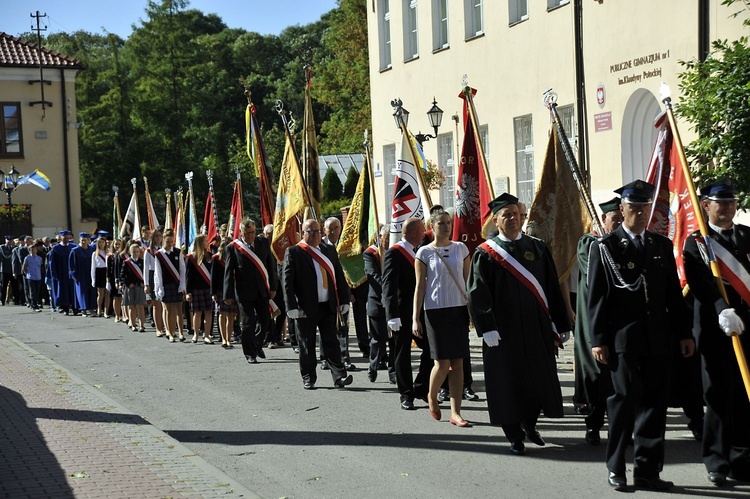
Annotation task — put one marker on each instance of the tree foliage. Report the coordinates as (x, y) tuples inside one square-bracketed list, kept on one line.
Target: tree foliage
[(332, 188), (350, 185), (169, 99)]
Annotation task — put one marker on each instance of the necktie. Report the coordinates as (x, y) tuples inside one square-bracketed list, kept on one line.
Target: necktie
[(639, 244), (727, 234), (324, 275)]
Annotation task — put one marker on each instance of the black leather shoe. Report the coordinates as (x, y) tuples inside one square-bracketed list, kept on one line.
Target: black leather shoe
[(372, 375), (296, 349), (517, 448), (443, 395), (422, 397), (697, 433), (469, 394), (250, 359), (533, 435), (382, 366), (261, 353), (654, 483), (308, 385), (392, 378), (350, 367), (324, 365), (717, 478), (342, 382), (407, 405), (593, 437), (616, 481)]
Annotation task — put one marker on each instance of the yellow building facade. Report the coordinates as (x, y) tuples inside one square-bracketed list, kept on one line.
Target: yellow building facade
[(37, 136), (514, 50)]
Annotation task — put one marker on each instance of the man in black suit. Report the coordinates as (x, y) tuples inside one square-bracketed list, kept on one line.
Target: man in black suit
[(316, 296), (250, 279), (399, 282), (379, 339), (636, 315), (726, 434), (19, 253)]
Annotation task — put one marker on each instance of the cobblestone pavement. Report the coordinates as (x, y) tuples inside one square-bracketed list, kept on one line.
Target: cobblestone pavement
[(60, 437)]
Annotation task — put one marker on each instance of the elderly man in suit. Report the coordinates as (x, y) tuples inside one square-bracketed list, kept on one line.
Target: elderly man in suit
[(316, 296)]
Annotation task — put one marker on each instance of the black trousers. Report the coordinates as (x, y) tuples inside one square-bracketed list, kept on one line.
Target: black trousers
[(251, 314), (276, 330), (359, 309), (638, 407), (379, 342), (306, 334), (726, 434), (598, 392), (410, 387), (342, 333), (10, 289)]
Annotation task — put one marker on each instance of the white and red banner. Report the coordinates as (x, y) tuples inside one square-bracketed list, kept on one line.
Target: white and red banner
[(407, 195)]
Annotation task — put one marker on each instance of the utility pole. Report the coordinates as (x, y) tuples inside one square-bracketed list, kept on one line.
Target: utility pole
[(41, 81)]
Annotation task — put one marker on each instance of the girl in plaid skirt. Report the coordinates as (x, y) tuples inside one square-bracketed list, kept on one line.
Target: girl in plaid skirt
[(198, 287)]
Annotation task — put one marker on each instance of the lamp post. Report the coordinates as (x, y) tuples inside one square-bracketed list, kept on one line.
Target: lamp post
[(8, 185), (435, 115)]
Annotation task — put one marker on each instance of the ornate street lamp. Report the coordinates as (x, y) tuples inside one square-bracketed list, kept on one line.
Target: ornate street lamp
[(435, 115), (9, 184)]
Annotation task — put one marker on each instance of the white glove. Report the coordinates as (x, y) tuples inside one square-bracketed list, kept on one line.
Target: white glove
[(394, 324), (109, 287), (159, 292), (296, 313), (730, 322), (344, 309), (565, 336), (492, 338)]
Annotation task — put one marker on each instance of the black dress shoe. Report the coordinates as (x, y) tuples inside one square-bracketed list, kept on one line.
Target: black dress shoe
[(443, 395), (407, 405), (533, 435), (308, 385), (616, 481), (382, 366), (717, 477), (250, 359), (392, 378), (697, 433), (654, 483), (469, 394), (372, 375), (593, 437), (296, 349), (517, 448), (324, 365), (342, 382), (261, 353), (350, 367)]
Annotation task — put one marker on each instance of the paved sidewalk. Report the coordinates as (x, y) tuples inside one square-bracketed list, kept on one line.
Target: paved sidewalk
[(60, 437)]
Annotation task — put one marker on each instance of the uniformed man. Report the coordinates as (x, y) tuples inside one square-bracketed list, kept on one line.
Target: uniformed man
[(726, 432), (518, 310), (6, 270), (79, 267), (636, 316), (592, 380), (62, 285)]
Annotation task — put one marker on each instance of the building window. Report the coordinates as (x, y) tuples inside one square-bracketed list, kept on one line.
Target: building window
[(524, 158), (518, 10), (553, 4), (411, 38), (448, 165), (384, 32), (389, 165), (568, 121), (473, 16), (11, 140), (484, 134), (440, 24)]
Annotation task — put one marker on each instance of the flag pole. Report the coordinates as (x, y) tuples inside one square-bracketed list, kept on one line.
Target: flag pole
[(550, 102), (168, 215), (738, 351), (288, 125), (210, 175), (368, 161), (149, 208), (478, 137), (117, 222), (399, 117), (137, 216)]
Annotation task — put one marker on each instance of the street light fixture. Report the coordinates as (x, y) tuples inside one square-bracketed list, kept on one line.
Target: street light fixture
[(435, 115), (9, 184)]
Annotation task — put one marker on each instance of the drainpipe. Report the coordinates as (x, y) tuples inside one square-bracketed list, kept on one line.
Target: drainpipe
[(704, 31), (583, 136), (66, 160)]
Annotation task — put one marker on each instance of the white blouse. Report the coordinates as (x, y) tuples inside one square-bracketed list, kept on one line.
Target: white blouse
[(441, 290)]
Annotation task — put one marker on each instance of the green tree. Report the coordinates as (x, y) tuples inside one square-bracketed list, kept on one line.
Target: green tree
[(350, 186), (332, 188)]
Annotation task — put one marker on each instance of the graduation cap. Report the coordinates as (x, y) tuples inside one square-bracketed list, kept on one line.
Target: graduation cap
[(84, 234), (501, 202), (721, 190), (637, 192), (611, 205), (65, 233)]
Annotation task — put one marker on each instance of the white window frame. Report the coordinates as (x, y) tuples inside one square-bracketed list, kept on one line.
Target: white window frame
[(440, 32), (384, 34), (523, 140), (411, 32), (389, 165), (447, 163), (553, 4), (473, 18), (568, 118), (518, 10)]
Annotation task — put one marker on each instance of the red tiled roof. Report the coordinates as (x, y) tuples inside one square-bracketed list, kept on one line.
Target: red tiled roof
[(18, 53)]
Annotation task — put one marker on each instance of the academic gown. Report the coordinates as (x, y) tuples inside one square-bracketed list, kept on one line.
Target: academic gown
[(521, 372), (587, 370), (62, 285), (79, 267)]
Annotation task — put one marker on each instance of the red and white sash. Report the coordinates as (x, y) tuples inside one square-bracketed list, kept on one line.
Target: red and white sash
[(134, 268), (731, 269), (324, 262), (243, 248), (401, 246), (102, 256), (202, 270), (374, 251), (166, 262), (526, 278), (217, 259)]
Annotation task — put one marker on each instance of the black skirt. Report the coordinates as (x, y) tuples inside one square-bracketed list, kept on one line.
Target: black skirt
[(170, 293), (200, 300), (100, 277), (448, 332)]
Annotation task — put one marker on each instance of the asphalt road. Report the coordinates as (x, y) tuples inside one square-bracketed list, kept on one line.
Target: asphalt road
[(257, 424)]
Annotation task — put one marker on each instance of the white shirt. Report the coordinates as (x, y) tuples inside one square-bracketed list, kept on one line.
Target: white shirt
[(632, 235), (441, 290)]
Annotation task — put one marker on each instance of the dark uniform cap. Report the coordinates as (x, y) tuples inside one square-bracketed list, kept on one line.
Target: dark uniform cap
[(84, 234), (611, 205), (502, 201), (65, 233), (8, 238), (637, 192), (721, 190)]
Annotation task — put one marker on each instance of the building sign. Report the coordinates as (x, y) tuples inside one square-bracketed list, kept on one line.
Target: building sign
[(603, 121), (639, 68), (378, 171), (601, 95)]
